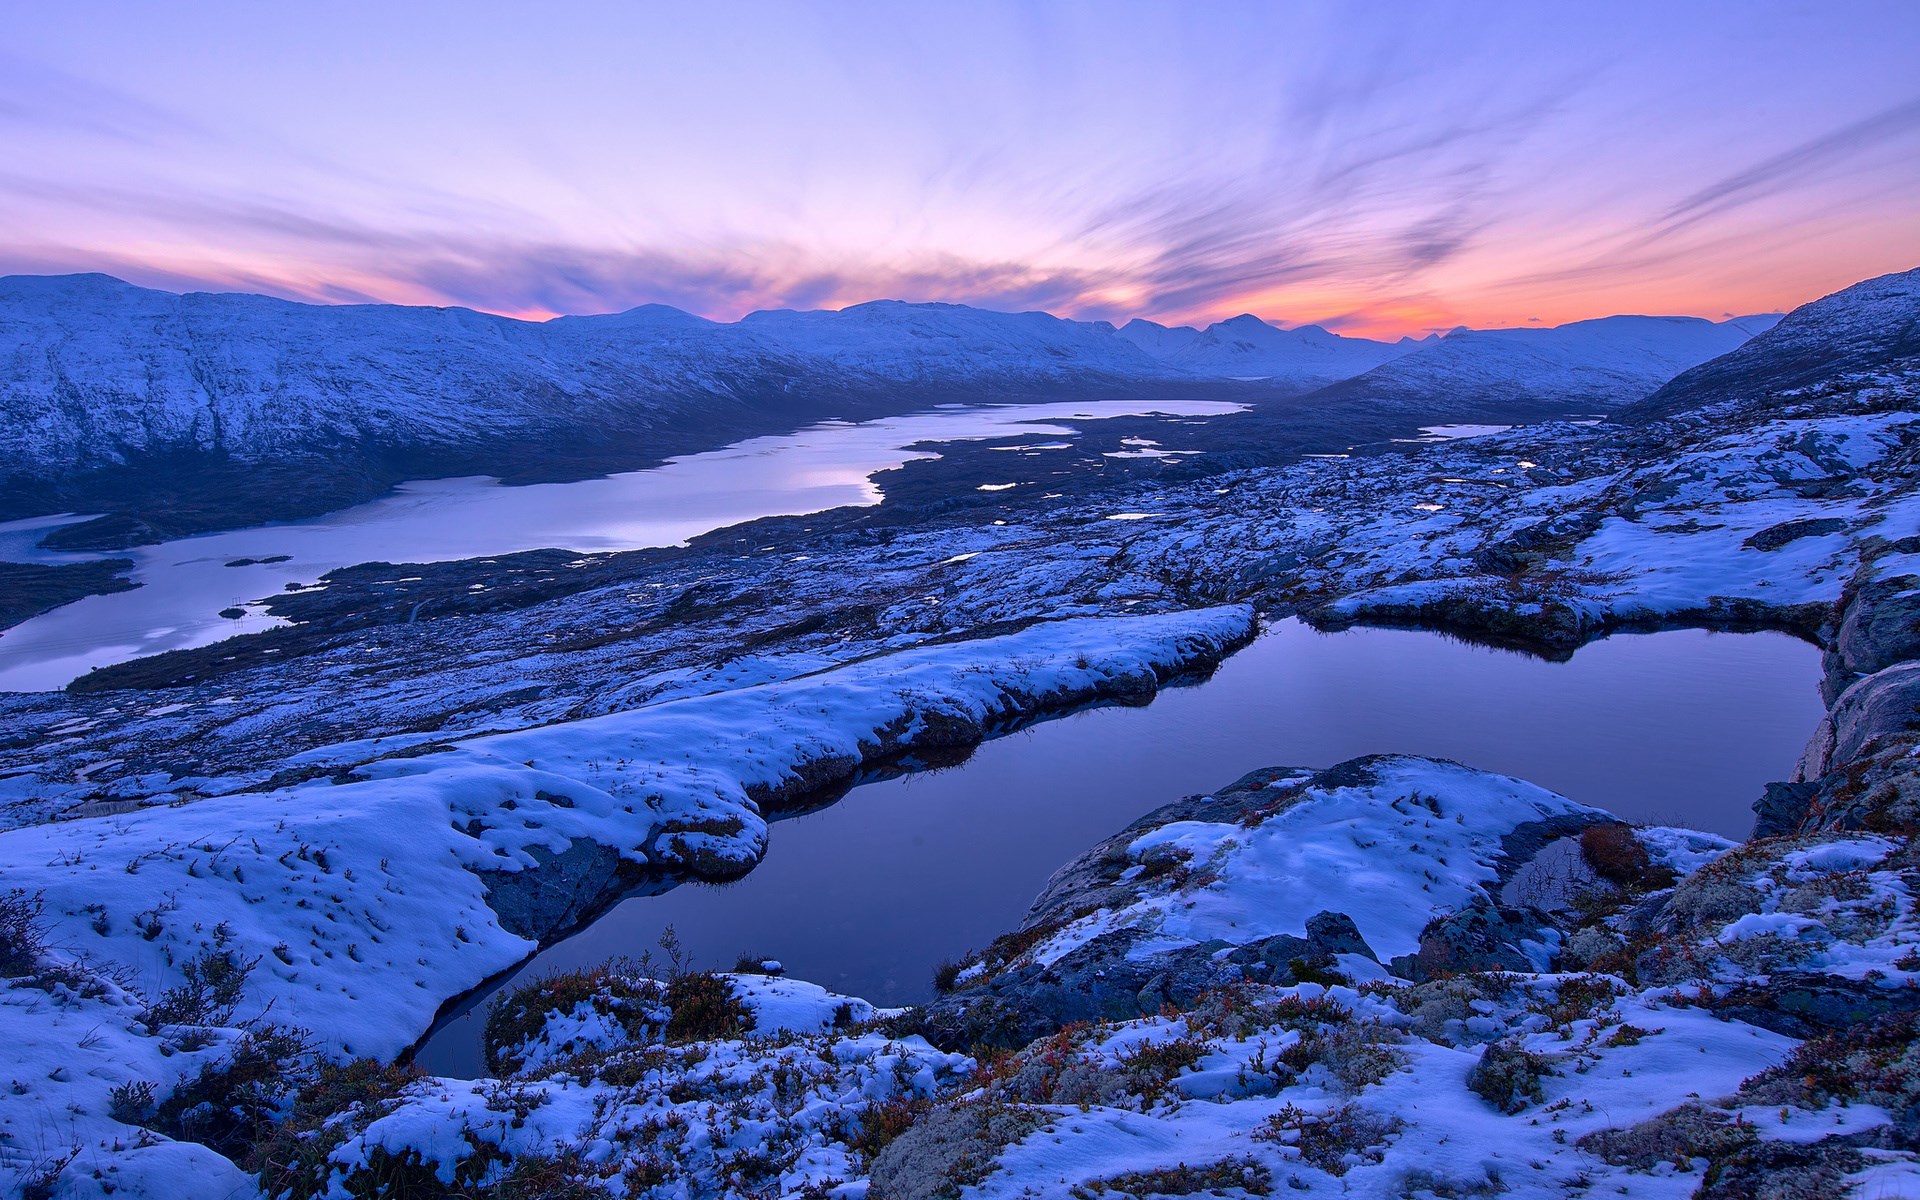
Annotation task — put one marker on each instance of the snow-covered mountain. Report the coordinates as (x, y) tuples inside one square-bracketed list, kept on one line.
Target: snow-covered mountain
[(1588, 365), (95, 372), (184, 413), (1871, 327), (128, 399), (929, 343), (1247, 347)]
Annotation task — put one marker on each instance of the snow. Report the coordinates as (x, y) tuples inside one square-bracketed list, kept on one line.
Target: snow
[(1420, 837), (374, 890), (97, 369), (1682, 851)]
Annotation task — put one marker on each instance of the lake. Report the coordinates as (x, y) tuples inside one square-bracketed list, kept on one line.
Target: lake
[(869, 895), (187, 584)]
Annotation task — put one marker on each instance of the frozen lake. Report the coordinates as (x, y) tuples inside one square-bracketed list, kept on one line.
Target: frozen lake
[(869, 895), (186, 584)]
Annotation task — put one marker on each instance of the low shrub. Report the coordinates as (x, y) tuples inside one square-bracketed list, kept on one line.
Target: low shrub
[(234, 1103), (21, 939), (1334, 1141), (215, 981), (704, 1007), (1618, 856)]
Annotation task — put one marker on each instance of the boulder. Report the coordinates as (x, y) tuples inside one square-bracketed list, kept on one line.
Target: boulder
[(1485, 937)]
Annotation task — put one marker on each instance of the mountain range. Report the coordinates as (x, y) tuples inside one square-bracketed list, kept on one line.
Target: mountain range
[(175, 413)]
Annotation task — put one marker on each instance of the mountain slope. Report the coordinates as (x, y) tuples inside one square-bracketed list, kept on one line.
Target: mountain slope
[(94, 372), (1871, 327), (176, 408), (1588, 365)]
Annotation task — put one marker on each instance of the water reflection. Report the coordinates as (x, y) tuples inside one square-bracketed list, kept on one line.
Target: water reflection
[(867, 896), (187, 584)]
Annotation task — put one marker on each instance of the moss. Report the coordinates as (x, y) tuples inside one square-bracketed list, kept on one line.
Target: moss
[(1678, 1136), (1228, 1176)]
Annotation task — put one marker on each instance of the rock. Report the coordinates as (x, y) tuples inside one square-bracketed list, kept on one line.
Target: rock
[(1886, 702), (1268, 959), (1803, 1005), (562, 892), (952, 1146), (1335, 933), (1879, 626), (1099, 981), (1784, 806), (1482, 938), (1775, 536)]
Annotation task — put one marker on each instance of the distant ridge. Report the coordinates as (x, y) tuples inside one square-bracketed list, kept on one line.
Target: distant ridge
[(1246, 347), (1870, 327), (1587, 366)]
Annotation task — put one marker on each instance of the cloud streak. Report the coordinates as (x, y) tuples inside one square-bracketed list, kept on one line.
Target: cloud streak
[(1317, 164), (1808, 163)]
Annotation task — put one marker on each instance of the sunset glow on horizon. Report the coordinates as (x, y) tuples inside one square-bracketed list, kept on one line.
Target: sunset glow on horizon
[(1379, 170)]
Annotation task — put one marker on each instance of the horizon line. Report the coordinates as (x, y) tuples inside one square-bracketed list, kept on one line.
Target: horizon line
[(543, 317)]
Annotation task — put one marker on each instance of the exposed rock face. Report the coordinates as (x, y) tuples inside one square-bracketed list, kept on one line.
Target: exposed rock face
[(562, 890), (1879, 620), (1884, 704), (1486, 937), (1859, 770)]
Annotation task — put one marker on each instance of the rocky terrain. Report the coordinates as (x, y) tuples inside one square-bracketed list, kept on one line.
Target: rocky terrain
[(249, 875)]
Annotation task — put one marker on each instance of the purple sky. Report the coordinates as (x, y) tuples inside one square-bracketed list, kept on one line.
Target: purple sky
[(1378, 167)]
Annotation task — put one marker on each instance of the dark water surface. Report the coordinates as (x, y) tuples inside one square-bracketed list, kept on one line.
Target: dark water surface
[(867, 896)]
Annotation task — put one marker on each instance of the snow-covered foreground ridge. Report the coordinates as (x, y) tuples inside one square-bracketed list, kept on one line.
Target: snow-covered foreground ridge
[(1667, 1015), (371, 897)]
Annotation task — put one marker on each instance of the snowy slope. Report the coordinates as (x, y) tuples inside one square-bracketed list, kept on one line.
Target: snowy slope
[(95, 372), (1157, 339), (1596, 364), (1247, 347), (1873, 326)]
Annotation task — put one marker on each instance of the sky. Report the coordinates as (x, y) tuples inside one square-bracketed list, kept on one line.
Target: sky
[(1378, 168)]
